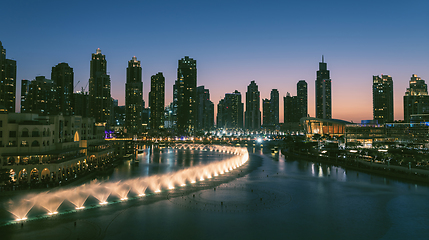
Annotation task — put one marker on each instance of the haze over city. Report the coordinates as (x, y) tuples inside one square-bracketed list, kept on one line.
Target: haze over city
[(274, 43)]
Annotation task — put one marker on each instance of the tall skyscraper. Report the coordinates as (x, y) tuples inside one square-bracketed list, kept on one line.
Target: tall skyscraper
[(230, 111), (253, 110), (323, 92), (157, 101), (416, 99), (133, 98), (7, 82), (205, 109), (42, 97), (186, 86), (301, 90), (291, 109), (274, 107), (25, 88), (100, 101), (267, 114), (62, 75), (382, 98)]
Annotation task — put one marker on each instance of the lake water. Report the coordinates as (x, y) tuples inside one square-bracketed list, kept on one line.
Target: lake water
[(272, 198)]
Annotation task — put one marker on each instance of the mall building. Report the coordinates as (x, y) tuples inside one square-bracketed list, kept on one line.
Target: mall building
[(35, 148)]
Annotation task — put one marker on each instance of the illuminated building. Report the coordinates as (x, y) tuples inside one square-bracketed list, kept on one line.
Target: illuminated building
[(7, 82), (205, 109), (323, 92), (230, 111), (157, 101), (274, 107), (133, 98), (301, 93), (323, 127), (186, 87), (62, 76), (382, 98), (25, 88), (42, 97), (100, 101), (416, 99), (253, 110)]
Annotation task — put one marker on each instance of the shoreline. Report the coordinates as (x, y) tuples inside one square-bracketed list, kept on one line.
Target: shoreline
[(376, 169)]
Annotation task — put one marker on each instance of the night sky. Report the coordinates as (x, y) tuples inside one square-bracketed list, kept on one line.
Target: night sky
[(275, 43)]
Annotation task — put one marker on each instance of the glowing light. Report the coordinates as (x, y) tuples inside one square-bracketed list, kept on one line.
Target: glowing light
[(142, 194), (171, 187), (78, 208), (183, 185), (193, 181), (158, 191), (216, 175), (124, 199), (209, 176), (226, 170), (221, 172), (52, 213), (259, 140), (201, 179), (103, 203), (21, 219)]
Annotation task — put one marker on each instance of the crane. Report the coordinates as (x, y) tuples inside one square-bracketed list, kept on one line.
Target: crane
[(76, 85)]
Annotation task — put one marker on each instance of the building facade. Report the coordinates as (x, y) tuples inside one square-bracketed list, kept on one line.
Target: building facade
[(42, 97), (157, 101), (133, 98), (205, 109), (302, 95), (7, 82), (323, 92), (274, 107), (100, 102), (230, 111), (55, 148), (186, 87), (62, 75), (253, 110), (416, 99), (382, 98)]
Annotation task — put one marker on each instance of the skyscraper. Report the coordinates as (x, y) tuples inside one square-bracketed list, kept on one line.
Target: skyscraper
[(382, 98), (253, 110), (205, 109), (274, 107), (301, 90), (323, 92), (100, 101), (267, 114), (62, 75), (133, 98), (291, 109), (7, 82), (230, 111), (157, 101), (25, 88), (42, 97), (416, 99), (186, 87)]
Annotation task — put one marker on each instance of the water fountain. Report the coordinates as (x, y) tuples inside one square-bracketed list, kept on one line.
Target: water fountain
[(51, 201)]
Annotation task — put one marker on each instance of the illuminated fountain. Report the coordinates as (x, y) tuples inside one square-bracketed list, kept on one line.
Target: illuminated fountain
[(51, 201)]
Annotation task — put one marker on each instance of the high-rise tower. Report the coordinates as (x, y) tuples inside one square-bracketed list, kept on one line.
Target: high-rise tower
[(62, 76), (205, 109), (100, 101), (323, 92), (186, 87), (7, 82), (416, 99), (253, 110), (301, 90), (382, 98), (133, 98), (230, 111), (157, 101), (274, 107)]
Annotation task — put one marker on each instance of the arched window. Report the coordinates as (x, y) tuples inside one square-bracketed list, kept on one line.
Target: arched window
[(24, 133), (35, 133), (35, 144)]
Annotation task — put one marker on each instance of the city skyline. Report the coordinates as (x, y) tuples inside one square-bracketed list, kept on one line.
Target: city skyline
[(277, 49)]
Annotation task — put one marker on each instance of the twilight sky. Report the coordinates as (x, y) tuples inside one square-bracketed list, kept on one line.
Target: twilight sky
[(275, 43)]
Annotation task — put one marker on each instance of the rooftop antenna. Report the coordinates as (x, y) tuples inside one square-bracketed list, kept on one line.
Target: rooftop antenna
[(322, 59)]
